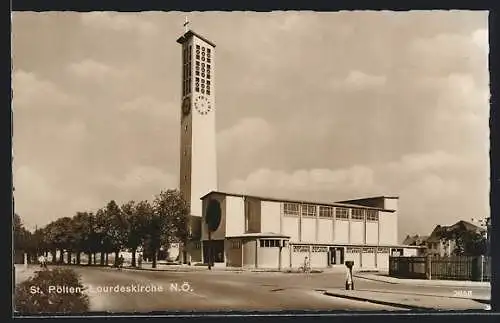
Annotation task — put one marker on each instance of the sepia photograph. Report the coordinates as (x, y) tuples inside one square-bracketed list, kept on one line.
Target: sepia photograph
[(168, 161)]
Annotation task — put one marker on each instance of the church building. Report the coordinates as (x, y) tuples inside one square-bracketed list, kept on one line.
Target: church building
[(238, 230)]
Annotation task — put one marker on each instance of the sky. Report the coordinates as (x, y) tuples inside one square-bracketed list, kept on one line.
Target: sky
[(310, 105)]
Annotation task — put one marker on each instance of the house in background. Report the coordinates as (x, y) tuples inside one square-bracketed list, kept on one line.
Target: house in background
[(415, 240), (438, 243)]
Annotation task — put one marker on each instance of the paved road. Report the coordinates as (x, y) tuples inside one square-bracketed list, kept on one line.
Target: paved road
[(219, 290)]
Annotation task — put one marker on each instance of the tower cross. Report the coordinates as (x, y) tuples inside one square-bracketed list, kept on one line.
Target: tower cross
[(186, 22)]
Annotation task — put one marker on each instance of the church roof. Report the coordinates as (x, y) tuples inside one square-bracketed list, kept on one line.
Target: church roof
[(275, 199), (191, 33)]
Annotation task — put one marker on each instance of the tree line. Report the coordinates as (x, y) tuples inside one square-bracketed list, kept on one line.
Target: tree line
[(109, 230)]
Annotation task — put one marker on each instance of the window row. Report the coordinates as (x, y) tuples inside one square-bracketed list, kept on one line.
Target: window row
[(203, 53), (186, 71), (300, 248), (235, 244), (269, 243), (319, 249), (340, 213)]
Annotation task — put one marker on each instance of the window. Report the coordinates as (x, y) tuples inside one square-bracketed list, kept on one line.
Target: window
[(319, 249), (291, 209), (235, 244), (209, 60), (300, 248), (353, 250), (208, 91), (382, 250), (326, 212), (368, 250), (197, 245), (197, 48), (269, 243), (197, 63), (371, 215), (342, 213), (308, 210), (203, 50), (358, 214)]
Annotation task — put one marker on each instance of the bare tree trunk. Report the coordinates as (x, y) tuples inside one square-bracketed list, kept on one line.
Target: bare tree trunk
[(133, 256), (89, 261), (102, 258), (106, 259), (154, 254), (54, 254), (116, 257), (61, 256), (69, 256), (95, 258), (78, 257)]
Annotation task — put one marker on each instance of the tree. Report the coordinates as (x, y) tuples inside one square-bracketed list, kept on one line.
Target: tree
[(467, 242), (169, 221), (101, 226), (117, 228), (136, 215), (82, 225), (22, 238)]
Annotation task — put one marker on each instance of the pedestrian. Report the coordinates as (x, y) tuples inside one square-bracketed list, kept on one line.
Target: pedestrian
[(42, 261), (139, 259), (120, 261), (306, 266)]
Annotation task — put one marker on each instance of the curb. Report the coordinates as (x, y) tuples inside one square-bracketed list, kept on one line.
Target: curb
[(410, 283), (362, 299)]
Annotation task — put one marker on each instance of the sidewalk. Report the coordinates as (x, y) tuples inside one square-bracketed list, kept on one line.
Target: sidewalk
[(419, 282), (409, 300), (22, 273)]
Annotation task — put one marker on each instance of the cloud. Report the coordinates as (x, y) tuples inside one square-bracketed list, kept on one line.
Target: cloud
[(151, 106), (246, 137), (94, 70), (433, 161), (140, 177), (480, 38), (303, 180), (357, 80), (118, 22), (31, 185), (31, 92)]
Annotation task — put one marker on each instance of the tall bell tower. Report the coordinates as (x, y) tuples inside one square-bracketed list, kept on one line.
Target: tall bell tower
[(198, 159)]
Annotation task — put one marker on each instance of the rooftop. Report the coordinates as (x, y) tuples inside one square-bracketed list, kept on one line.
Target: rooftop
[(188, 34), (277, 199)]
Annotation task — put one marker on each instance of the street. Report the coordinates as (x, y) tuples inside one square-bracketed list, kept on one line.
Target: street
[(221, 290)]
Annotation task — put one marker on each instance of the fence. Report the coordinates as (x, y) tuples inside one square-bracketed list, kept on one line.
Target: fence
[(448, 268)]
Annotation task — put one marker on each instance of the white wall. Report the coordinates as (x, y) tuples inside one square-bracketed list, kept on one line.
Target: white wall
[(203, 145), (372, 233), (341, 231), (235, 216), (388, 228), (270, 213), (325, 230), (357, 232), (268, 257), (308, 229), (410, 252), (290, 227)]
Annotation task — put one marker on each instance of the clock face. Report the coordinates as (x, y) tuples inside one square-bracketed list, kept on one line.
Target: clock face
[(186, 106), (202, 104)]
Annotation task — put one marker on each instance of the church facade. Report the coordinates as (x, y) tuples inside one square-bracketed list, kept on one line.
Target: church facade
[(266, 232)]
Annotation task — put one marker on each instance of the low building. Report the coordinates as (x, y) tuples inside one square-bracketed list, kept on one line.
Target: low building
[(264, 232)]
